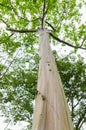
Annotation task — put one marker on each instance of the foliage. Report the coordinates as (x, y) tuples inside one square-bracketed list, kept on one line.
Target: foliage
[(72, 70), (19, 54), (18, 88)]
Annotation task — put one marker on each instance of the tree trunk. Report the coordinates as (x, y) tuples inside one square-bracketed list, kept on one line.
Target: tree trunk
[(51, 110)]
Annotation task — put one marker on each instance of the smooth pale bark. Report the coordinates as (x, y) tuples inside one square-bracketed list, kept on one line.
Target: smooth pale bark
[(51, 109)]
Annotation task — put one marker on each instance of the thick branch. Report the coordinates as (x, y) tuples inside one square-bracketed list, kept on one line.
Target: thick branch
[(58, 39), (66, 43), (21, 31)]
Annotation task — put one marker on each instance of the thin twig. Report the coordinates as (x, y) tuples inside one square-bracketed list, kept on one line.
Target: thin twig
[(82, 42), (10, 64), (1, 42), (50, 26), (23, 17), (5, 22), (7, 125), (33, 20), (77, 102)]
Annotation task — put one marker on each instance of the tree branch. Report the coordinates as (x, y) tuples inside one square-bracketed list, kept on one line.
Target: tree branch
[(82, 122), (43, 16), (77, 102), (47, 7), (29, 20), (45, 10), (66, 43), (1, 42), (21, 31), (50, 26), (82, 42), (72, 112), (5, 22), (14, 10), (58, 39), (10, 64), (80, 119), (7, 125)]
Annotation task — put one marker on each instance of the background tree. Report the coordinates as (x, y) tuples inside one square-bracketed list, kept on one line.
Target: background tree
[(19, 52), (72, 70)]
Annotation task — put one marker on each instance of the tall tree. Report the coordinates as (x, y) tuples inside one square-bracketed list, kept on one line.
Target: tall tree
[(51, 105), (26, 16)]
